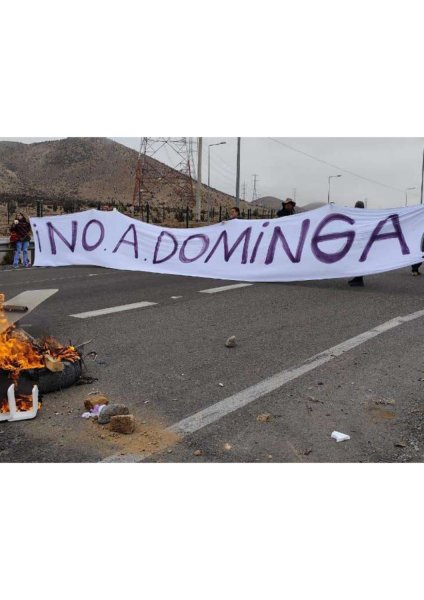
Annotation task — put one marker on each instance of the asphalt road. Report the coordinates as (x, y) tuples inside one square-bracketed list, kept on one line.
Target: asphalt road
[(167, 361)]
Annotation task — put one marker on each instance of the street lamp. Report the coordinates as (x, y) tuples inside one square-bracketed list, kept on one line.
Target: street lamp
[(406, 194), (209, 159), (329, 178)]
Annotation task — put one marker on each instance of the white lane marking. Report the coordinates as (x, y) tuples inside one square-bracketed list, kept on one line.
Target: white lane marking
[(175, 297), (51, 279), (224, 288), (217, 411), (112, 309), (93, 274)]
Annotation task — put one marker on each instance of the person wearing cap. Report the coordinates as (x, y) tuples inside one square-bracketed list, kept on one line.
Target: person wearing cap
[(287, 208), (357, 281)]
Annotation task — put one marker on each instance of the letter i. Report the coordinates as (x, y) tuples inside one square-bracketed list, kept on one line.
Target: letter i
[(258, 241)]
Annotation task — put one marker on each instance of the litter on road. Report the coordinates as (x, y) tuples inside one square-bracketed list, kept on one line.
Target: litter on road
[(340, 437)]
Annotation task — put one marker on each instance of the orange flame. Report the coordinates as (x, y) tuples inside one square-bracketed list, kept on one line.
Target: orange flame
[(23, 403), (18, 352)]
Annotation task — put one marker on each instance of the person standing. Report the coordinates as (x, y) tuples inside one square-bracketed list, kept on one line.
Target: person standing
[(21, 229), (357, 281), (287, 208), (234, 213), (415, 269)]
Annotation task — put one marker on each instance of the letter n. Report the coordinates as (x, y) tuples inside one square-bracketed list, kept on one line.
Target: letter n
[(52, 230)]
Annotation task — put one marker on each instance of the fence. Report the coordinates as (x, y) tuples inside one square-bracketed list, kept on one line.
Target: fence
[(158, 213), (187, 215), (6, 247)]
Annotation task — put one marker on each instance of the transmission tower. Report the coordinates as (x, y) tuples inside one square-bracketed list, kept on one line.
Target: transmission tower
[(155, 180), (254, 194)]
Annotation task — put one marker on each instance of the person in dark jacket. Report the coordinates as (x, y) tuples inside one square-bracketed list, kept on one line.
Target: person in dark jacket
[(234, 213), (287, 208), (357, 281), (22, 229)]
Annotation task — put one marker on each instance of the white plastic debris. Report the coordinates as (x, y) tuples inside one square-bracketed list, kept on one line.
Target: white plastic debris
[(14, 414), (340, 437), (94, 412)]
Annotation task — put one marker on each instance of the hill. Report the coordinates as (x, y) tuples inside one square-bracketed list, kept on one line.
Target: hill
[(92, 169), (268, 202), (275, 204)]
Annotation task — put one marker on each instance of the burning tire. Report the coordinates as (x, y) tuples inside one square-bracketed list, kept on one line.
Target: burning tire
[(52, 382), (47, 381)]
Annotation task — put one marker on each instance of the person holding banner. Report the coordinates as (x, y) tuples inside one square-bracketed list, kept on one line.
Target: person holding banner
[(287, 208), (21, 230), (234, 213), (357, 281)]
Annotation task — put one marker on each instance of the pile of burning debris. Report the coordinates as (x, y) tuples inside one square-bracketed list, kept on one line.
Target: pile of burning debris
[(30, 367)]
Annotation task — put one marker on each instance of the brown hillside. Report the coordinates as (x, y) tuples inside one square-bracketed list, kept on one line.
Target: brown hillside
[(92, 169)]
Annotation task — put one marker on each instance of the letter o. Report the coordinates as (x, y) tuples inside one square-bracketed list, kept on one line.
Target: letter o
[(87, 246), (205, 239)]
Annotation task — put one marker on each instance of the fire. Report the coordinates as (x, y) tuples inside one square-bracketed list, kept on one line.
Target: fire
[(23, 402), (18, 352)]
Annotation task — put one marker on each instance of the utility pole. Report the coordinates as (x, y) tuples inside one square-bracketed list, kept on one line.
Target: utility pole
[(294, 194), (244, 191), (254, 187), (422, 179), (199, 178), (238, 174)]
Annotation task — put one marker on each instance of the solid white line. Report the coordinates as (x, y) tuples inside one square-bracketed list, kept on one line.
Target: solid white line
[(224, 407), (217, 411), (112, 309), (224, 288)]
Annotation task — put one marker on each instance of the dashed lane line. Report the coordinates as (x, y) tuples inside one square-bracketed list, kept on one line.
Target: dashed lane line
[(112, 309), (224, 288), (220, 409), (37, 281)]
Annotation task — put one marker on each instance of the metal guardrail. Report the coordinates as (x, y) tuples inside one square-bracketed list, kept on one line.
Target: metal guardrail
[(7, 247)]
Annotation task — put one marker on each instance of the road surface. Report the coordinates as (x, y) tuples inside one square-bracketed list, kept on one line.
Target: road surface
[(300, 370)]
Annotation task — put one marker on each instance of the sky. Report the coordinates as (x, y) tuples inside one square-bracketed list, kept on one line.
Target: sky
[(375, 170)]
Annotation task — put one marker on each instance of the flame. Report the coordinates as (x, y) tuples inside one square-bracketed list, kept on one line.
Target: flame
[(23, 403), (19, 352)]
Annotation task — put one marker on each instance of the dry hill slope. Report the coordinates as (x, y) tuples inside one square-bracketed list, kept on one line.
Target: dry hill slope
[(96, 169)]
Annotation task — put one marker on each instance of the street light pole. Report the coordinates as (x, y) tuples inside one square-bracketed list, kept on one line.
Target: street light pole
[(422, 179), (329, 180), (199, 178), (238, 174)]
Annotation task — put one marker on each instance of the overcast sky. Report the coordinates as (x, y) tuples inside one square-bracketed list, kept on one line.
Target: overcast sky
[(377, 169)]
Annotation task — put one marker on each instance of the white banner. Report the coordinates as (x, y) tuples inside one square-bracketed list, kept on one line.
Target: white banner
[(325, 243)]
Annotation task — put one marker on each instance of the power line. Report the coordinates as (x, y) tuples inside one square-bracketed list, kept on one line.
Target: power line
[(223, 163), (333, 166)]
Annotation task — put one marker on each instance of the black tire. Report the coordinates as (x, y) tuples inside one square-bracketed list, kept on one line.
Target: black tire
[(51, 382), (45, 380)]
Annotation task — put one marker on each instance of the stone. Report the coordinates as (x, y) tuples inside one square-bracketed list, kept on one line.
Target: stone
[(197, 453), (231, 342), (122, 423), (112, 410), (94, 399), (264, 418)]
